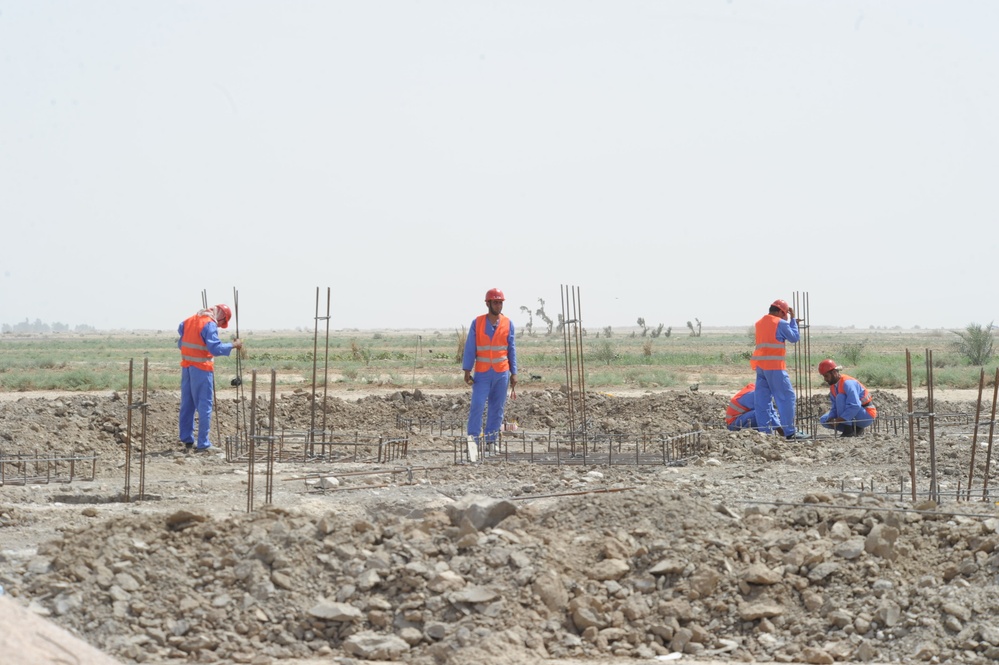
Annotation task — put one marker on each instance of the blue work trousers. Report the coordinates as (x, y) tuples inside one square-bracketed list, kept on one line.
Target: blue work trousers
[(860, 422), (775, 384), (745, 421), (489, 386), (197, 394)]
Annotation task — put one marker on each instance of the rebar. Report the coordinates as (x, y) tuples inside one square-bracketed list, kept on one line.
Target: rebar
[(934, 488), (912, 434), (143, 406), (974, 434), (251, 442), (53, 469), (992, 428), (608, 448), (570, 322), (237, 383), (803, 360), (315, 361), (269, 474)]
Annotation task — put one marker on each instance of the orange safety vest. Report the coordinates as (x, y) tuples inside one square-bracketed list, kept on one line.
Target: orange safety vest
[(735, 409), (489, 354), (865, 397), (769, 353), (193, 352)]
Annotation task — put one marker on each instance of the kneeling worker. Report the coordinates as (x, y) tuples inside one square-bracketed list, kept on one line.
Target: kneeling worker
[(850, 407), (741, 413)]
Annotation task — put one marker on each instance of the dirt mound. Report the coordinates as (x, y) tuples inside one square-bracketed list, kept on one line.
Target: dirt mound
[(758, 549)]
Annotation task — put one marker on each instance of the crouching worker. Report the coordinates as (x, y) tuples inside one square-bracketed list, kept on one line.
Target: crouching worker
[(850, 407), (741, 411)]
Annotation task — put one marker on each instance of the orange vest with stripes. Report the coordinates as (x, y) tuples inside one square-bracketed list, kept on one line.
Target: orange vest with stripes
[(769, 353), (837, 389), (491, 352), (735, 409), (193, 352)]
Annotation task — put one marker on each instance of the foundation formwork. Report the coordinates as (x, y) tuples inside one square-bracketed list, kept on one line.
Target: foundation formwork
[(617, 448), (38, 469), (304, 446)]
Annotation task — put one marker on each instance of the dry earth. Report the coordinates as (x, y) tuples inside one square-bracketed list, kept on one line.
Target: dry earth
[(756, 549)]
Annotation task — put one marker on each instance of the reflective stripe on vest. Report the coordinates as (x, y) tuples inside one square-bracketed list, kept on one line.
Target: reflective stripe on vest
[(735, 409), (769, 353), (865, 397), (489, 354), (193, 352)]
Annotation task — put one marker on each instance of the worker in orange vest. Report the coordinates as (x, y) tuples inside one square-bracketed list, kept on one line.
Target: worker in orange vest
[(850, 406), (741, 410), (199, 343), (491, 353), (773, 331)]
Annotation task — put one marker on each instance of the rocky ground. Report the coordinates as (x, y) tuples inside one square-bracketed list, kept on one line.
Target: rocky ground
[(749, 548)]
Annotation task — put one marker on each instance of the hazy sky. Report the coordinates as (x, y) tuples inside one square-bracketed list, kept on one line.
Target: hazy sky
[(672, 159)]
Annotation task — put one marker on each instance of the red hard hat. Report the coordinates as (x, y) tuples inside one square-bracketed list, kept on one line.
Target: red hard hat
[(781, 305), (224, 315), (827, 366), (494, 294)]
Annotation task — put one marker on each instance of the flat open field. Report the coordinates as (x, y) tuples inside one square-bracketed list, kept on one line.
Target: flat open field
[(562, 548), (627, 360)]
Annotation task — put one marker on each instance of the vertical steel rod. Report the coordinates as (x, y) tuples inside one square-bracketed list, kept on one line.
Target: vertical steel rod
[(992, 427), (934, 488), (269, 477), (974, 434), (912, 429), (128, 435), (142, 445), (251, 441)]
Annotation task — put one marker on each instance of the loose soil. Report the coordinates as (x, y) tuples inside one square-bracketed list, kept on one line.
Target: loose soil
[(748, 549)]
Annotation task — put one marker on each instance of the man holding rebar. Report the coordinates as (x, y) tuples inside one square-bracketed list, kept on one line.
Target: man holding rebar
[(850, 406), (773, 331), (741, 410), (489, 351), (199, 343)]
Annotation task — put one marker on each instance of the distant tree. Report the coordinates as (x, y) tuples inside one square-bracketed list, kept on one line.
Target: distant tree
[(695, 332), (641, 324), (60, 327), (976, 343), (544, 317), (530, 319), (607, 331), (656, 332)]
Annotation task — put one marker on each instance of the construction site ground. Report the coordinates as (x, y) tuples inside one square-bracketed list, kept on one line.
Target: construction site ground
[(746, 548)]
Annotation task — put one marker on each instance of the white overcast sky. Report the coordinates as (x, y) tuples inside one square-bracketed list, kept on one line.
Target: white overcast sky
[(672, 159)]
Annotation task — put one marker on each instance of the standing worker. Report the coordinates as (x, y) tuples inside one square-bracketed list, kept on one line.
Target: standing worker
[(199, 344), (490, 351), (741, 411), (850, 406), (772, 380)]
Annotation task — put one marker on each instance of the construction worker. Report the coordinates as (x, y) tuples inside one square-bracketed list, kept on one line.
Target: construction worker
[(850, 407), (199, 344), (490, 352), (776, 328), (741, 411)]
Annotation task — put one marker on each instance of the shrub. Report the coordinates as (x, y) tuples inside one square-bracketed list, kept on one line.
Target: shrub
[(851, 353), (604, 353), (975, 344)]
